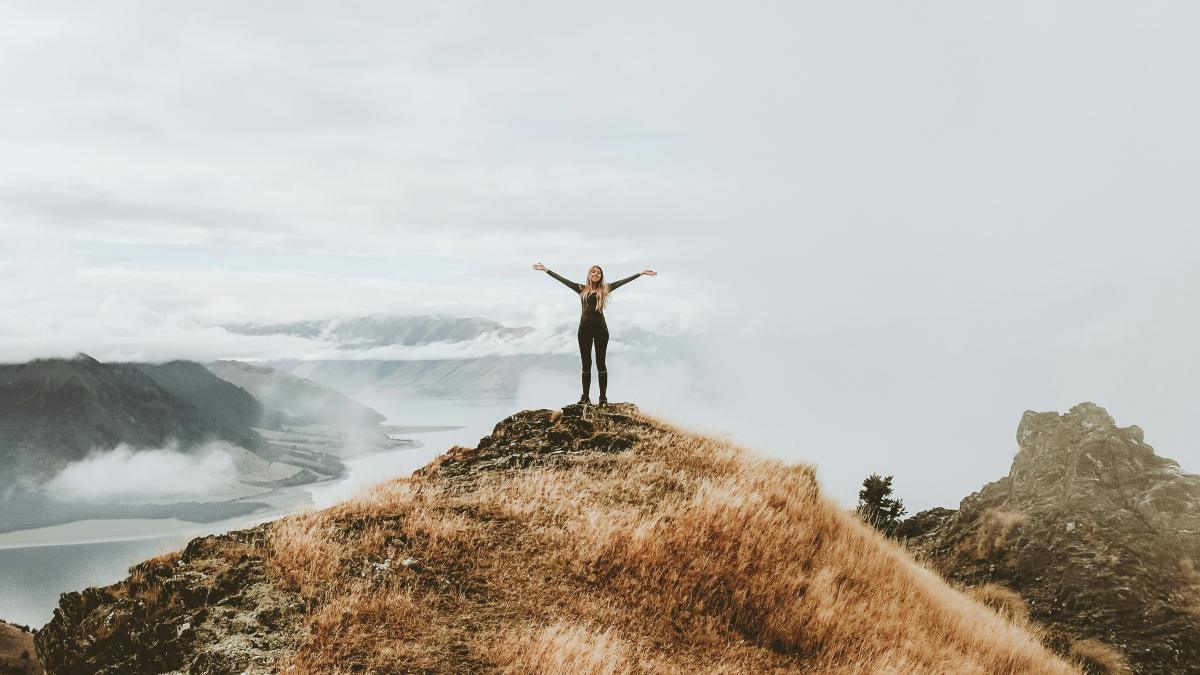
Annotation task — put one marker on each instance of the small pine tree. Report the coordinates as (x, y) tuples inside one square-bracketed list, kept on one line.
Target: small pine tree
[(877, 506)]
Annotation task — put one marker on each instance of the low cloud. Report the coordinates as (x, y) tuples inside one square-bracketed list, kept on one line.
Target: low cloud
[(129, 474)]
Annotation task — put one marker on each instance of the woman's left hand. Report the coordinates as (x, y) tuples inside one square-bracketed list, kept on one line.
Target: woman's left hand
[(649, 273)]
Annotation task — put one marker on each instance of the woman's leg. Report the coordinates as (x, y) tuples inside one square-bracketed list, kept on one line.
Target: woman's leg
[(601, 367), (585, 355)]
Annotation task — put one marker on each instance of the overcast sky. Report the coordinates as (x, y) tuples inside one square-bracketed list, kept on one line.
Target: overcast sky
[(898, 225)]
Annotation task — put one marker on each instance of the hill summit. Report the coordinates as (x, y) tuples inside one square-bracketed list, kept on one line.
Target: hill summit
[(581, 540)]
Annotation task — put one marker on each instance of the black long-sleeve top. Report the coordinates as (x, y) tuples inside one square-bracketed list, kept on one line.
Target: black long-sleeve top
[(588, 302)]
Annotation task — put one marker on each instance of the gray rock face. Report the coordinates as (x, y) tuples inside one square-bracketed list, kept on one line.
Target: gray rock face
[(1099, 535)]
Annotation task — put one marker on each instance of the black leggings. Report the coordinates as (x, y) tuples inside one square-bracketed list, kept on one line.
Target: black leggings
[(589, 332)]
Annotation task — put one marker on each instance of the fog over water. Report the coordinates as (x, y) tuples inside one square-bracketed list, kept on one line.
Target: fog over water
[(32, 577), (891, 229)]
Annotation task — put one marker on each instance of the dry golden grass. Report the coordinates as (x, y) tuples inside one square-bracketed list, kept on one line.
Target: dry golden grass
[(995, 527), (685, 554), (144, 582), (1098, 657), (1005, 601)]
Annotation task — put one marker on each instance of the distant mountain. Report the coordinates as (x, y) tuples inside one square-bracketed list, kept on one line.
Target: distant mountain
[(379, 330), (484, 377), (1099, 535), (55, 411), (221, 401), (490, 375), (299, 399)]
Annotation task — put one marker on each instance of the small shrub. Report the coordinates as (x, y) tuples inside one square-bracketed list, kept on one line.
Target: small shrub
[(876, 505), (994, 529)]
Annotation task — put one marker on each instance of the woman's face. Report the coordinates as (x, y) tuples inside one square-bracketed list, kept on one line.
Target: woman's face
[(594, 274)]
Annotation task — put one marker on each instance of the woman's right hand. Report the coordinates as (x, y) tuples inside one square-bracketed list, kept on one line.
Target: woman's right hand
[(539, 267)]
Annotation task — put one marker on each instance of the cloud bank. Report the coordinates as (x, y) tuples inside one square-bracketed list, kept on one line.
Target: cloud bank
[(899, 227), (126, 474)]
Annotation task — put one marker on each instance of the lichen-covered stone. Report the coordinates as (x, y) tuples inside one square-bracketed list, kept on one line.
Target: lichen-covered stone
[(534, 437)]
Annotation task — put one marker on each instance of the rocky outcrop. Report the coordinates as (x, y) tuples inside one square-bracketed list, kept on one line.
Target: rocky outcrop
[(535, 437), (1098, 534), (208, 610)]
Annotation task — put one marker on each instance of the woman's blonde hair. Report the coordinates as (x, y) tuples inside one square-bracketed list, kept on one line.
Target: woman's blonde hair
[(599, 288)]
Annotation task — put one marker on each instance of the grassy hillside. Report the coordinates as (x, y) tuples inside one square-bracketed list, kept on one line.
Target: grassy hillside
[(611, 543), (17, 655)]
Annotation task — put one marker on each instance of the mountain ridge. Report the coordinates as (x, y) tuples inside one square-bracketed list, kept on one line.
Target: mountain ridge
[(583, 540), (56, 411), (295, 398)]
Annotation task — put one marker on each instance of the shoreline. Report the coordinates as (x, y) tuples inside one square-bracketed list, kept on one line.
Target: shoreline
[(132, 529), (279, 502)]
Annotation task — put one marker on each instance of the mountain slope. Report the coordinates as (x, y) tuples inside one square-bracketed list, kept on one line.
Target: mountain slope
[(1098, 534), (309, 401), (17, 654), (378, 330), (221, 401), (580, 541), (54, 411)]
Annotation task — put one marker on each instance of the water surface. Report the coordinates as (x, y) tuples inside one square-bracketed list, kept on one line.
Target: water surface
[(31, 578)]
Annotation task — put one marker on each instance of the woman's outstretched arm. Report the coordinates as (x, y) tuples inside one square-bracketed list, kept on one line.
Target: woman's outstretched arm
[(621, 282), (566, 282)]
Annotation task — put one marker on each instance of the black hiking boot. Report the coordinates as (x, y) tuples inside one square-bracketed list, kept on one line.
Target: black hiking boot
[(586, 399)]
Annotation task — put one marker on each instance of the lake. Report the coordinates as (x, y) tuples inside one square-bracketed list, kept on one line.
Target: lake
[(32, 577)]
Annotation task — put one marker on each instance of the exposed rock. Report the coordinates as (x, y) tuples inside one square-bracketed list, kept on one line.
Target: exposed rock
[(1095, 531), (923, 522), (535, 437), (211, 609)]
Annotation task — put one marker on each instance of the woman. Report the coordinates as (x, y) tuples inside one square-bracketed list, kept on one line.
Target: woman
[(592, 328)]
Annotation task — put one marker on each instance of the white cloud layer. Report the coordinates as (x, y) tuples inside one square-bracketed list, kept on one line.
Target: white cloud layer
[(900, 227), (126, 474)]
